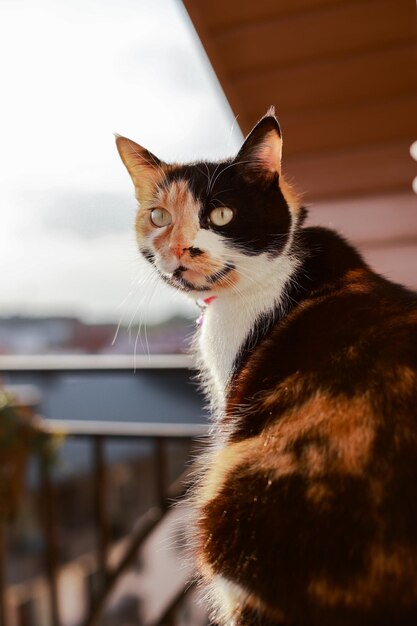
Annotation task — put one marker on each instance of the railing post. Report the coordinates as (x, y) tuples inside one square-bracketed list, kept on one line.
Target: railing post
[(149, 522), (51, 552), (101, 518), (3, 611), (160, 472)]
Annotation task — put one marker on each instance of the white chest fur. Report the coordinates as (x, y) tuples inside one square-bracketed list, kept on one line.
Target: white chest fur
[(224, 329), (230, 319)]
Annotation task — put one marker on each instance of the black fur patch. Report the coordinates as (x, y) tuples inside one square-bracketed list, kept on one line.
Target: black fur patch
[(148, 255), (195, 252)]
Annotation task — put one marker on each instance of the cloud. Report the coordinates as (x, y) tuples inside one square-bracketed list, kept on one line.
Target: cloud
[(89, 214), (79, 71), (171, 61)]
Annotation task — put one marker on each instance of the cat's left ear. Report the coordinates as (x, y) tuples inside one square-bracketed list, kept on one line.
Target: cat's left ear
[(145, 168), (260, 155)]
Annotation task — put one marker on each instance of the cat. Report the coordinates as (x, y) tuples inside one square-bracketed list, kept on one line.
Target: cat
[(306, 503)]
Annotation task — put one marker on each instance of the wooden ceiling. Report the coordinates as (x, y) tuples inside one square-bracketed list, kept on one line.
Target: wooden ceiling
[(343, 78), (342, 75)]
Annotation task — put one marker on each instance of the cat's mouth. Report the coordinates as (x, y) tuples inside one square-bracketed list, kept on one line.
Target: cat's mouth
[(186, 279)]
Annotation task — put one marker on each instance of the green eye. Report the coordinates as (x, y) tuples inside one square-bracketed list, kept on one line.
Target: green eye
[(221, 216), (160, 217)]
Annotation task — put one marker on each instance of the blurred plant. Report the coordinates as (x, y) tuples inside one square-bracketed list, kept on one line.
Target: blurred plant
[(22, 435)]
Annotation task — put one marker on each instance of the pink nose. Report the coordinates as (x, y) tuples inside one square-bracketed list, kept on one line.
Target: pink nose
[(178, 250)]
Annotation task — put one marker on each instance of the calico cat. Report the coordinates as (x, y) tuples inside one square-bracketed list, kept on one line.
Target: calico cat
[(306, 505)]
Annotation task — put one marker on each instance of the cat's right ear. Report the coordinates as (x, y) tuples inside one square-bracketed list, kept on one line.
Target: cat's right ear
[(145, 169), (260, 156)]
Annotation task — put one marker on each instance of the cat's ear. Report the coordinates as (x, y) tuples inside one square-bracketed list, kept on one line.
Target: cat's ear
[(260, 155), (144, 167)]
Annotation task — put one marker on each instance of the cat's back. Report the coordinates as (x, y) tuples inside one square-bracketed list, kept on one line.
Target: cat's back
[(316, 486)]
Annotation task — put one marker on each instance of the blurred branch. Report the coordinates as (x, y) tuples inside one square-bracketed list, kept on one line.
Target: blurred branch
[(21, 436)]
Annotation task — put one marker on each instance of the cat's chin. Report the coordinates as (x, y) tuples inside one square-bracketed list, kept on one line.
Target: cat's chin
[(196, 284), (187, 286), (195, 278)]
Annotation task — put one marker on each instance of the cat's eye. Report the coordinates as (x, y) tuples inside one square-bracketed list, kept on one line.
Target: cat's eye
[(160, 217), (221, 216)]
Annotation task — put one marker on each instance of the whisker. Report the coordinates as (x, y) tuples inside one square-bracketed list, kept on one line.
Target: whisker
[(234, 123), (209, 188), (226, 168), (145, 329), (206, 174), (142, 320), (132, 291)]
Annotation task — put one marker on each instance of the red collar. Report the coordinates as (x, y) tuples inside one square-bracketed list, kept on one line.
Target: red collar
[(209, 300), (203, 304)]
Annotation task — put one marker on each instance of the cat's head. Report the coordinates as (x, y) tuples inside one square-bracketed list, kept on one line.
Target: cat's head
[(213, 228)]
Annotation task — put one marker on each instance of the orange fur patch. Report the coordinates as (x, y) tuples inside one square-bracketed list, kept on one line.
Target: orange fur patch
[(346, 425)]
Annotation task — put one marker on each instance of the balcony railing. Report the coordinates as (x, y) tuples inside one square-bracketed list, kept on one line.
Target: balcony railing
[(108, 563)]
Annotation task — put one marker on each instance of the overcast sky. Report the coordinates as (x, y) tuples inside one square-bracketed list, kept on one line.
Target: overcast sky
[(73, 73)]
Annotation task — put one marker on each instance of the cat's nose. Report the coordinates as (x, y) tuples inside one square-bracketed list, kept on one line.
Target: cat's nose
[(178, 249)]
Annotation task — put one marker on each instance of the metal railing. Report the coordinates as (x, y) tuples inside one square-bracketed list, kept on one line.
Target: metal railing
[(99, 433)]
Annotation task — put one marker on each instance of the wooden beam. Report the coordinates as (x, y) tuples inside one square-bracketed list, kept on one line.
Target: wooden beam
[(219, 14), (376, 74), (344, 128), (370, 221), (385, 167), (333, 30)]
